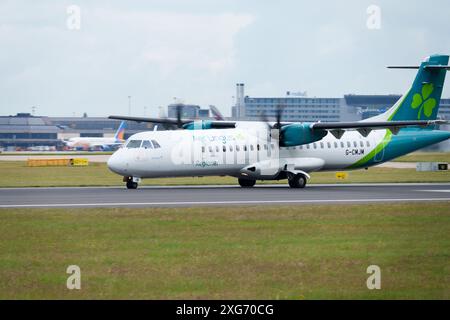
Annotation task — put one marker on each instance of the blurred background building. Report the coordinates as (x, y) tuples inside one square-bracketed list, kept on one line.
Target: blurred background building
[(24, 130)]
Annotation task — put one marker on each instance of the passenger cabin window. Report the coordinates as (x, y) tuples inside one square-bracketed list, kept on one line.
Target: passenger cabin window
[(342, 144), (155, 144), (368, 143), (321, 145), (134, 144), (224, 148), (348, 144), (361, 144), (355, 144), (237, 148), (335, 145), (147, 144)]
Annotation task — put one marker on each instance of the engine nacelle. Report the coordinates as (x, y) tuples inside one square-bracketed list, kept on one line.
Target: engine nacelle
[(297, 134), (198, 125)]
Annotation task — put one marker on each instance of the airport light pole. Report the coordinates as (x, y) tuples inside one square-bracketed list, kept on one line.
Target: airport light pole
[(129, 105)]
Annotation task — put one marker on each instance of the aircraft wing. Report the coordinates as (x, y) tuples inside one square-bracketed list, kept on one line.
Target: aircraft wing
[(152, 120), (364, 127), (218, 124), (335, 128)]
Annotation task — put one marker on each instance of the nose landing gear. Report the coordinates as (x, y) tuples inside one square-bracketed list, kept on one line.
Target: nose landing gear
[(132, 183)]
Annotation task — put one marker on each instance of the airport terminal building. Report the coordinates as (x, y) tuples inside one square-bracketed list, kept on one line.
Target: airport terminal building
[(24, 130), (298, 107)]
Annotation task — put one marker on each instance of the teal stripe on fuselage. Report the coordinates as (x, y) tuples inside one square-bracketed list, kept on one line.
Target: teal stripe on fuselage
[(406, 141)]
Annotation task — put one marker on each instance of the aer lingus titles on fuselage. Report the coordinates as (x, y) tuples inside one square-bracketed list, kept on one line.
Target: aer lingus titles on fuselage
[(258, 150)]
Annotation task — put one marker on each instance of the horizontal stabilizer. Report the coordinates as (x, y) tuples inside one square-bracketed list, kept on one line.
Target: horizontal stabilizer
[(429, 67)]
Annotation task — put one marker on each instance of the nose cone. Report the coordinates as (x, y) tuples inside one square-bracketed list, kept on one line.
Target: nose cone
[(116, 164)]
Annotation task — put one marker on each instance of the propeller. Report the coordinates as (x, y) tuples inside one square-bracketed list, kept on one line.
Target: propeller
[(277, 124), (179, 123)]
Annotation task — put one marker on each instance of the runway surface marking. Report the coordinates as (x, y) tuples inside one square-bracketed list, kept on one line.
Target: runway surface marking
[(178, 196), (186, 203), (200, 186)]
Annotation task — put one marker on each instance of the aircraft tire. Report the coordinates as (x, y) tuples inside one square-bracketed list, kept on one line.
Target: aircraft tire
[(297, 181), (132, 185), (246, 183)]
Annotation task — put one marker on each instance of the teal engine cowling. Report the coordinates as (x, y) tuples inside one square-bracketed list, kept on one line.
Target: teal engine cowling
[(198, 125), (297, 134)]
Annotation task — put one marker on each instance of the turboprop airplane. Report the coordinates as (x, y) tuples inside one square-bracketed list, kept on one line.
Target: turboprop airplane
[(260, 150), (91, 143)]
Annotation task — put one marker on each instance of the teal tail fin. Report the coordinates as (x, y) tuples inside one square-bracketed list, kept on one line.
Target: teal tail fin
[(421, 101)]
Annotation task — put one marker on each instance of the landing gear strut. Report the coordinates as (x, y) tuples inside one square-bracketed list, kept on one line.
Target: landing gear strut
[(246, 183), (297, 181), (130, 183)]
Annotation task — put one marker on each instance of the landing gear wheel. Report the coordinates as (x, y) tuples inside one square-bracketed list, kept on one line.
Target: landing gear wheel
[(131, 184), (297, 181), (246, 183)]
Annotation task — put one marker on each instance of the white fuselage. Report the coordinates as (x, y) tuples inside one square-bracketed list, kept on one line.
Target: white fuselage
[(250, 150)]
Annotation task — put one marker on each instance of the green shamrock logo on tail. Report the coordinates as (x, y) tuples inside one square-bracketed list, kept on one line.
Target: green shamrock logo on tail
[(423, 101)]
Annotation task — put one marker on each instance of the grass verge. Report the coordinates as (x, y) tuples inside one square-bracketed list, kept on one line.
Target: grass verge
[(288, 252), (425, 157), (17, 174)]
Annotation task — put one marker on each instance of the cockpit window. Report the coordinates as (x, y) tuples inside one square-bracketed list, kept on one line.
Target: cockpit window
[(156, 144), (134, 144), (147, 144)]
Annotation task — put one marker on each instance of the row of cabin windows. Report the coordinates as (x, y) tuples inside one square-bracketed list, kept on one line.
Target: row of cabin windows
[(314, 145), (146, 144), (153, 144), (335, 144), (237, 148)]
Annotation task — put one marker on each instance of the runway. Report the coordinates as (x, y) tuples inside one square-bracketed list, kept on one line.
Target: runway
[(188, 196)]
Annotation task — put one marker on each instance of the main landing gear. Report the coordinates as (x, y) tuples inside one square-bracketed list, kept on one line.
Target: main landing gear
[(130, 183), (246, 183), (297, 181)]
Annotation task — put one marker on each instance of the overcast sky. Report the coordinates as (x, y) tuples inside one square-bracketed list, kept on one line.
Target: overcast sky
[(197, 51)]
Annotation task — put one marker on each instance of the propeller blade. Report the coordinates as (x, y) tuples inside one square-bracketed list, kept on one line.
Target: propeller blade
[(179, 112), (279, 113)]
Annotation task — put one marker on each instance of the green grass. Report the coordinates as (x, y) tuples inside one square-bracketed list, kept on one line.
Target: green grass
[(17, 174), (425, 157), (285, 252)]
